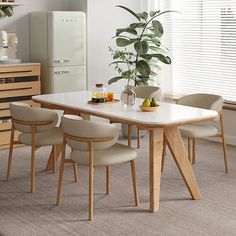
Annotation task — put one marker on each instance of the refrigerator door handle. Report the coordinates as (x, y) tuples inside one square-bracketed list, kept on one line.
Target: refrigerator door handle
[(62, 61), (65, 72), (62, 72)]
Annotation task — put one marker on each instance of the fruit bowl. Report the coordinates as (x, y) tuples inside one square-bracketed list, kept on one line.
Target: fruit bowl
[(148, 109)]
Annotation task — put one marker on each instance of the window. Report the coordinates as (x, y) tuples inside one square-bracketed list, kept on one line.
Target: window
[(202, 42)]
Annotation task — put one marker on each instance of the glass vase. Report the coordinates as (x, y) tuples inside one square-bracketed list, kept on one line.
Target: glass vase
[(128, 96)]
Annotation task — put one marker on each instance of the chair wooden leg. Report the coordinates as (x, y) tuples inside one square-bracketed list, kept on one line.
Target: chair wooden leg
[(224, 143), (225, 154), (90, 181), (32, 169), (133, 171), (163, 156), (194, 150), (190, 150), (61, 173), (129, 135), (138, 137), (75, 171), (10, 154), (54, 158), (107, 180), (33, 159)]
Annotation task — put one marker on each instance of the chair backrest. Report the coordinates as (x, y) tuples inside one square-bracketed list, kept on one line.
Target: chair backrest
[(77, 127), (24, 112), (147, 91), (202, 100)]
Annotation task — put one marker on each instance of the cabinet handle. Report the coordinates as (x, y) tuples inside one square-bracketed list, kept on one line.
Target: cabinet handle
[(18, 71), (14, 89)]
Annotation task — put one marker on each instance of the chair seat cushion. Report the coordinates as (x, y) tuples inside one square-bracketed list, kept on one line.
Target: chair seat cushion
[(50, 137), (116, 154), (198, 131)]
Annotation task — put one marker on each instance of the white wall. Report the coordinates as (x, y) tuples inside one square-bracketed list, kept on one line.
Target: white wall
[(20, 21), (103, 18)]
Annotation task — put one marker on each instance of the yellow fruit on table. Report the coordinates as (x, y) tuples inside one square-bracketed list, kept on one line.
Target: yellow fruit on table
[(146, 102), (154, 103)]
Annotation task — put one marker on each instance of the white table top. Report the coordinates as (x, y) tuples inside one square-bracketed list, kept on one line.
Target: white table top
[(167, 113)]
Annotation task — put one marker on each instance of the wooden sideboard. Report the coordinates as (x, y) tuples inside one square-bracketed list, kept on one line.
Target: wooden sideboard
[(18, 83)]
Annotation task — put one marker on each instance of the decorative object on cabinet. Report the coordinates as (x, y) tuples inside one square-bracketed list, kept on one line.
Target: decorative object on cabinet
[(18, 82), (9, 48), (6, 7)]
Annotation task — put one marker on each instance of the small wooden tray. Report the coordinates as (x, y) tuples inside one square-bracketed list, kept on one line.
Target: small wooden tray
[(99, 103), (148, 109)]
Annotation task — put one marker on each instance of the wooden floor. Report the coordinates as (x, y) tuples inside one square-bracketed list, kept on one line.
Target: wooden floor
[(23, 213)]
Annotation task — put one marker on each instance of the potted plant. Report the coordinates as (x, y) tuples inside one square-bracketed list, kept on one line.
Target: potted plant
[(139, 54), (139, 51)]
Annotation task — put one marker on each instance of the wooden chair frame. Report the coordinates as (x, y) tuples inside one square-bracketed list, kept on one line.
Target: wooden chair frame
[(91, 142), (33, 125), (192, 145)]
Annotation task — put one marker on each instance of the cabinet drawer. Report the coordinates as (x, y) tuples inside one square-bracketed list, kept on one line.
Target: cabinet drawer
[(5, 127), (19, 71), (19, 89), (5, 137), (4, 112)]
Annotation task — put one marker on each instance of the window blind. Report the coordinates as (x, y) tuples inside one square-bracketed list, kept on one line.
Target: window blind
[(202, 41)]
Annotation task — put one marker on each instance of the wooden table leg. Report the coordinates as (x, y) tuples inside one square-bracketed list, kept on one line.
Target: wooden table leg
[(50, 160), (155, 159), (176, 146)]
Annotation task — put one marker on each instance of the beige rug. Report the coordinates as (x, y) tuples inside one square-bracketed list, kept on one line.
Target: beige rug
[(23, 213)]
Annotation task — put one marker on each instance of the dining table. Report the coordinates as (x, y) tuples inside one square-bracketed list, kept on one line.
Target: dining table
[(161, 124)]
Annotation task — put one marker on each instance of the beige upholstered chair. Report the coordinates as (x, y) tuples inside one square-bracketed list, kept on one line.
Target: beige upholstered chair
[(144, 92), (194, 131), (94, 144), (37, 128)]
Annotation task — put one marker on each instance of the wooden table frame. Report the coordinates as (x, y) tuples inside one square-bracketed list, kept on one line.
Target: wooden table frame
[(156, 135)]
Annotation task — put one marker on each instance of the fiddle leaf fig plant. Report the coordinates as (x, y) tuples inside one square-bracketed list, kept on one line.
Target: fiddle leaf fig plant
[(139, 49)]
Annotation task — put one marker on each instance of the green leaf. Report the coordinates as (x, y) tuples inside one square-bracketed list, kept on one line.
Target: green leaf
[(126, 30), (156, 41), (142, 81), (153, 73), (157, 28), (117, 62), (121, 42), (143, 15), (137, 25), (115, 79), (143, 68), (153, 13), (130, 11), (147, 57), (158, 50), (162, 58), (141, 47), (149, 36), (143, 77)]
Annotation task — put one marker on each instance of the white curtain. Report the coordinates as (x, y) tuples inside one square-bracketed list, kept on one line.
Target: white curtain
[(202, 42)]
